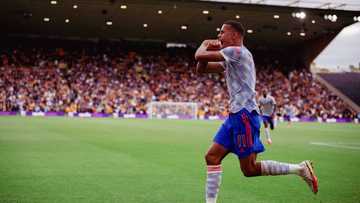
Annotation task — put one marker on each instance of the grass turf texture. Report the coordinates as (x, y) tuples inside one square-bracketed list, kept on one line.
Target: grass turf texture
[(155, 161)]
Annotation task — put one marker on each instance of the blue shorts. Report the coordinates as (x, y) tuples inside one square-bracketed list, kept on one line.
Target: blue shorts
[(287, 117), (240, 133), (269, 120), (266, 118)]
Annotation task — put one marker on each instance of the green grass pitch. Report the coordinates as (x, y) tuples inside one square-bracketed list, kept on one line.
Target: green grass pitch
[(161, 161)]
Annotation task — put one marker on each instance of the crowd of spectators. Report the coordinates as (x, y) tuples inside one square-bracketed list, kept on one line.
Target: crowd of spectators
[(42, 80), (303, 93)]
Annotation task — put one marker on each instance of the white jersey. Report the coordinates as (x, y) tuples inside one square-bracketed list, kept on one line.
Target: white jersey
[(289, 110), (267, 105), (240, 78)]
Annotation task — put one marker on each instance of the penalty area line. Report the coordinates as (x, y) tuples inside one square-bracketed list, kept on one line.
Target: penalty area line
[(334, 145)]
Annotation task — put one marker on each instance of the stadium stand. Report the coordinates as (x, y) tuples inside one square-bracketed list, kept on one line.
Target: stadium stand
[(123, 77), (97, 80), (347, 83)]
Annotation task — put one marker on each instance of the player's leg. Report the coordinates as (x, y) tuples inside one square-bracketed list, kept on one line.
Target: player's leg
[(218, 150), (250, 168), (271, 122), (266, 129), (215, 154), (247, 156), (213, 158), (288, 120)]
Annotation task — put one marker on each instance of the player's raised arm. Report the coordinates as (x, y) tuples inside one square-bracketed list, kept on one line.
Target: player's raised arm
[(209, 51), (208, 56)]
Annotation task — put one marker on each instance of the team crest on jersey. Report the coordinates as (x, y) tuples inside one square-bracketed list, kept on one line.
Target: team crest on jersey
[(237, 51)]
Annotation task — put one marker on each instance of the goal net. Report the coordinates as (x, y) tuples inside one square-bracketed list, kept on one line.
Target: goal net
[(172, 110)]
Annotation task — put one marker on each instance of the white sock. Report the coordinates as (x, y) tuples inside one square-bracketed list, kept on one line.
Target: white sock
[(213, 181), (295, 169), (267, 133), (269, 167)]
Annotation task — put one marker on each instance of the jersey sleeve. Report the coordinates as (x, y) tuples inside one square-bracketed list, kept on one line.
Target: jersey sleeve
[(231, 53)]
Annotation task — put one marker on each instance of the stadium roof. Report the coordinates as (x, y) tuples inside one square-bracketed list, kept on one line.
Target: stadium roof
[(184, 21), (352, 5)]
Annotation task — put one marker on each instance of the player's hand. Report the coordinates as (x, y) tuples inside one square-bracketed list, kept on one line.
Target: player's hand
[(212, 44)]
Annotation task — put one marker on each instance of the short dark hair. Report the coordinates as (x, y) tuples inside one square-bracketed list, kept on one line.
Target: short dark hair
[(238, 27)]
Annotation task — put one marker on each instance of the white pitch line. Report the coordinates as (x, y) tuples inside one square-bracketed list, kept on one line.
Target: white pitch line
[(334, 145)]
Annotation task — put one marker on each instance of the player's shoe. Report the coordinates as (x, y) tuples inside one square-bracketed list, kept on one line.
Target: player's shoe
[(269, 141), (308, 174)]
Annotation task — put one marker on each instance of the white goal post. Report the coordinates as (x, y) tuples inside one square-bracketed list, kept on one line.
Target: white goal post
[(172, 110)]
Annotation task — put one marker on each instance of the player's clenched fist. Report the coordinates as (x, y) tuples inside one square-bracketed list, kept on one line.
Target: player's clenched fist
[(212, 44)]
